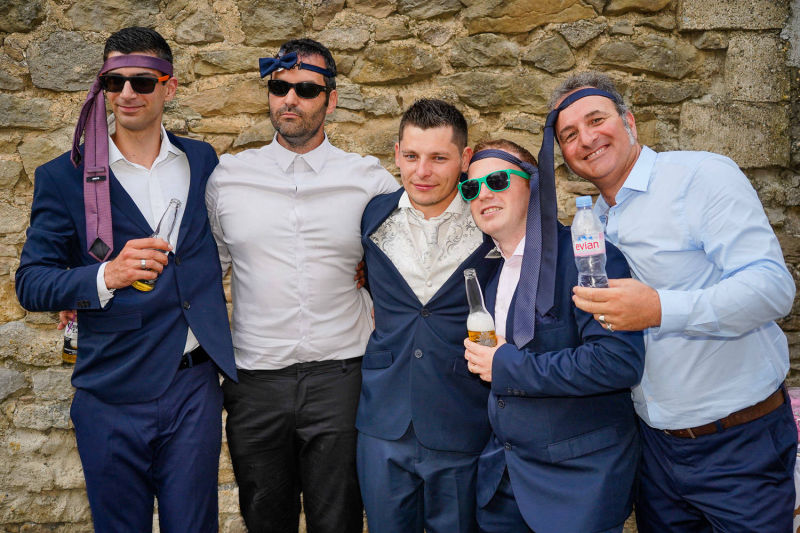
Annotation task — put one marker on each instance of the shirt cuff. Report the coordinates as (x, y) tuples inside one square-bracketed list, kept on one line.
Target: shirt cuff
[(674, 306), (103, 293)]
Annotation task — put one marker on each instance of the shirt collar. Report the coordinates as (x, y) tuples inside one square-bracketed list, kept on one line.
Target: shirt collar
[(518, 251), (457, 207), (639, 178), (115, 155), (315, 158)]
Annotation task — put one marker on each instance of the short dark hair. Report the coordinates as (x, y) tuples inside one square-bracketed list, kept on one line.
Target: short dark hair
[(138, 39), (589, 78), (431, 113), (309, 47), (507, 146)]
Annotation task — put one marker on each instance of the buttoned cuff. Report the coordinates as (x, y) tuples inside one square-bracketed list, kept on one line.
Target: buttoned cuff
[(674, 307), (104, 294)]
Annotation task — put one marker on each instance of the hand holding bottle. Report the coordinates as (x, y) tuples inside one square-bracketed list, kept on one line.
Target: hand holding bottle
[(127, 267)]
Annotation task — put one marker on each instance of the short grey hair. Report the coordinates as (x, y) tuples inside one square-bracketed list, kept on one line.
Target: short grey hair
[(589, 78)]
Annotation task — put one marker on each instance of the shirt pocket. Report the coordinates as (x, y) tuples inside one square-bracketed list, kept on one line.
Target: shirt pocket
[(583, 444), (377, 360)]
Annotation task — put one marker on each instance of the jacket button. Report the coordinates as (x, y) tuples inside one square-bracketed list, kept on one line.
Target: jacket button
[(507, 446), (501, 404), (425, 312), (186, 305), (177, 260), (418, 353)]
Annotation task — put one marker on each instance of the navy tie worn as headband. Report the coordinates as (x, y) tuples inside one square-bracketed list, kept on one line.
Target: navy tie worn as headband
[(268, 65)]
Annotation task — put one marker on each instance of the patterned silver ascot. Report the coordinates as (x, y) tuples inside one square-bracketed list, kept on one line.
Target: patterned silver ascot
[(427, 252)]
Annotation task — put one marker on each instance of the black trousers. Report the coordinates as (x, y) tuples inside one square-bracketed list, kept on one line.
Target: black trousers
[(290, 431)]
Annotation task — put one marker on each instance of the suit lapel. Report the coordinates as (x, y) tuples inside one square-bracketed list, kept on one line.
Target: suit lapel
[(196, 188), (123, 205)]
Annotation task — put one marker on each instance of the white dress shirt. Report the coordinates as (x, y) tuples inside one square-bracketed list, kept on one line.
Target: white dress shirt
[(289, 224), (151, 189), (427, 252), (507, 286)]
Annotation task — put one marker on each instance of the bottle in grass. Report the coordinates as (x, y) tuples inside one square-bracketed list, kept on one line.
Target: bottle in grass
[(480, 325)]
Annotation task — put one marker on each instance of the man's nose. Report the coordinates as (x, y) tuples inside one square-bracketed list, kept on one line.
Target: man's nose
[(127, 90)]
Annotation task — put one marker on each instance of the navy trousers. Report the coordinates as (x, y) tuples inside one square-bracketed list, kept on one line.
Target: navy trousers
[(737, 480), (167, 448), (407, 487)]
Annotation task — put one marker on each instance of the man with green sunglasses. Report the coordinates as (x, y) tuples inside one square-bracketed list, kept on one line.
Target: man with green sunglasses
[(496, 181)]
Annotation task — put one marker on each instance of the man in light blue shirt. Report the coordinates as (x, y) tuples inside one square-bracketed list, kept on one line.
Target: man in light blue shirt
[(709, 281)]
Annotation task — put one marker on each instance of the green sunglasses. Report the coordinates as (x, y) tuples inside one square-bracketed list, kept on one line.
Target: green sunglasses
[(496, 181)]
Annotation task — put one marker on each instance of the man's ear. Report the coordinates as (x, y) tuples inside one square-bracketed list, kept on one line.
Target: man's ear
[(333, 99), (466, 156), (172, 88)]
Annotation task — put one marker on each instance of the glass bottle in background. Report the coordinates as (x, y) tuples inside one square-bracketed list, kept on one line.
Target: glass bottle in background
[(480, 325), (163, 231), (69, 353)]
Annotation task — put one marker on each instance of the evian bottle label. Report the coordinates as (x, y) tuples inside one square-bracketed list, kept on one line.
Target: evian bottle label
[(589, 244)]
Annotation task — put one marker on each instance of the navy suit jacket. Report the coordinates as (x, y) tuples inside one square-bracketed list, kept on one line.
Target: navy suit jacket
[(130, 350), (562, 414), (414, 368)]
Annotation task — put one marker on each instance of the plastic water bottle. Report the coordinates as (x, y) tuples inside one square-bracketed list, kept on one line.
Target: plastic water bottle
[(589, 245)]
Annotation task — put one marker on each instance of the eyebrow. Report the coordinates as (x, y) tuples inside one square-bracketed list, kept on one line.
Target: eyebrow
[(587, 115)]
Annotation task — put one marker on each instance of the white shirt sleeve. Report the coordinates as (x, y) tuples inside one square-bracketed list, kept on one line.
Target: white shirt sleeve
[(212, 197), (103, 293)]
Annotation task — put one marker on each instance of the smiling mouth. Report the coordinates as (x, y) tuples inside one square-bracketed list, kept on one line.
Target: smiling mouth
[(596, 153), (490, 210)]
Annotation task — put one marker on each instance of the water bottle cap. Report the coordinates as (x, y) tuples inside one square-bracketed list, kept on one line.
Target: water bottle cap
[(583, 201)]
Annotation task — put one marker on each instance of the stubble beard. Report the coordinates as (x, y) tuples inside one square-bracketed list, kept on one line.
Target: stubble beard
[(298, 134)]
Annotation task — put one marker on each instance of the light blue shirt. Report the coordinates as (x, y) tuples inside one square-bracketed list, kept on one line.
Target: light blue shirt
[(692, 227)]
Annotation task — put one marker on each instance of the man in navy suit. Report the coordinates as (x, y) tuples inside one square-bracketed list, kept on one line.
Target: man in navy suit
[(422, 416), (147, 410), (565, 446)]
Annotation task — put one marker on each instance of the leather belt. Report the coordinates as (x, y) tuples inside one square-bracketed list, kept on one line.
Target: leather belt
[(194, 358), (748, 414)]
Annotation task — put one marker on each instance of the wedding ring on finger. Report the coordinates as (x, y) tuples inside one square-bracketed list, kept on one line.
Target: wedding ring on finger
[(609, 327), (143, 262)]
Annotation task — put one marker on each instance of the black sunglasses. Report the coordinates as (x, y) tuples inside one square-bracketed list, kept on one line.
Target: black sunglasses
[(304, 89), (114, 83), (496, 181)]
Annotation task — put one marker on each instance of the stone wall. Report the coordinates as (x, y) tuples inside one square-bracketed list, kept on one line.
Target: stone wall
[(700, 74)]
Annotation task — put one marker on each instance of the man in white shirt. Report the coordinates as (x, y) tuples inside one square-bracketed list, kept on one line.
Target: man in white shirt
[(286, 218), (422, 417)]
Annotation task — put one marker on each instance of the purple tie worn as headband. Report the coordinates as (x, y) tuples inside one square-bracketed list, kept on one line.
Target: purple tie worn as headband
[(96, 197)]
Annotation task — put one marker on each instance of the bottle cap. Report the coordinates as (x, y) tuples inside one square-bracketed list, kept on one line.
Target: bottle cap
[(583, 201)]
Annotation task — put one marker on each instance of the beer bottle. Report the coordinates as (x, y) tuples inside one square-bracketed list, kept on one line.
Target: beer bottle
[(69, 353), (480, 325), (163, 231)]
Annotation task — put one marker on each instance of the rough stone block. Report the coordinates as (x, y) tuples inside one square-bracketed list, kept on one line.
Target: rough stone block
[(31, 346), (350, 96), (8, 81), (726, 14), (53, 384), (199, 28), (38, 148), (259, 134), (240, 59), (753, 135), (44, 507), (386, 104), (9, 308), (791, 33), (106, 15), (344, 38), (434, 33), (518, 16), (581, 32), (552, 54), (486, 49), (755, 69), (507, 91), (21, 15), (10, 171), (711, 40), (391, 29), (323, 12), (22, 111), (617, 7), (41, 415), (10, 382), (621, 27), (425, 9), (394, 62), (525, 123), (648, 92), (249, 96), (373, 8), (270, 21), (648, 53), (13, 218)]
